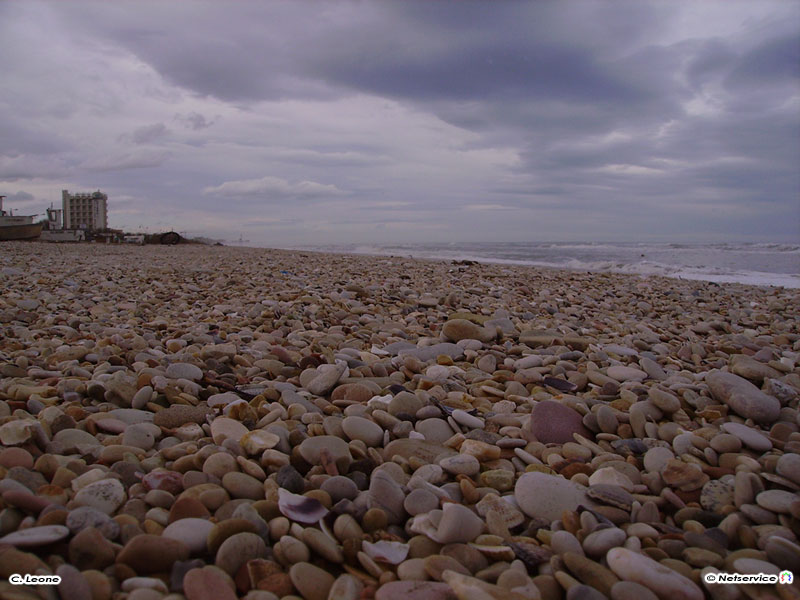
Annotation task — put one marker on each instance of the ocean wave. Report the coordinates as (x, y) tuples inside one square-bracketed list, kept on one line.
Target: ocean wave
[(722, 263)]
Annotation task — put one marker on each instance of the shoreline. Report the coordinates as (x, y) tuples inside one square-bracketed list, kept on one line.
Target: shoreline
[(644, 269), (229, 422)]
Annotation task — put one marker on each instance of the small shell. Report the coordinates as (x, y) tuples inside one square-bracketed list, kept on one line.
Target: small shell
[(345, 527), (530, 554), (562, 385), (15, 432), (387, 552), (160, 479), (772, 478), (613, 495), (301, 509), (495, 553)]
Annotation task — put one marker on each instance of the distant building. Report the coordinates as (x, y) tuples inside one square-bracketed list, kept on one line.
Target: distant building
[(85, 211)]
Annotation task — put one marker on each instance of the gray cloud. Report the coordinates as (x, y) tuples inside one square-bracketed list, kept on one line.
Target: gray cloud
[(416, 119), (146, 134), (194, 121), (141, 159), (273, 188)]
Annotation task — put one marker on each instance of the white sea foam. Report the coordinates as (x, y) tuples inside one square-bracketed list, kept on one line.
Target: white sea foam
[(752, 264)]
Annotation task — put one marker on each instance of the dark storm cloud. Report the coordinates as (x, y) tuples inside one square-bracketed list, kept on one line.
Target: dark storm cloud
[(775, 61), (148, 133), (589, 112), (195, 121)]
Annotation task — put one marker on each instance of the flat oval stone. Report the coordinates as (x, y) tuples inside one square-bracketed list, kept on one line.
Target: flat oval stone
[(223, 428), (462, 464), (743, 397), (725, 442), (715, 495), (460, 329), (562, 541), (666, 583), (547, 496), (599, 542), (16, 457), (70, 439), (206, 584), (777, 501), (611, 476), (623, 373), (192, 532), (73, 584), (750, 437), (242, 485), (656, 458), (607, 420), (789, 466), (237, 550), (628, 590), (418, 590), (180, 414), (184, 371), (388, 495), (427, 452), (462, 417), (222, 399), (589, 572), (346, 587), (434, 429), (458, 524), (359, 428), (90, 550), (106, 495), (35, 536), (340, 487), (85, 516), (420, 501), (255, 442), (311, 449), (783, 553), (312, 582), (147, 554), (142, 397), (754, 566), (553, 423)]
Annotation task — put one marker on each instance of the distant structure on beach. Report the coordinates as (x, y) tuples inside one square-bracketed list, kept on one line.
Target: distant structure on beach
[(85, 211)]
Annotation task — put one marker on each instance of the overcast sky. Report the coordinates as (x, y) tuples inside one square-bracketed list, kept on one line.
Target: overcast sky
[(335, 122)]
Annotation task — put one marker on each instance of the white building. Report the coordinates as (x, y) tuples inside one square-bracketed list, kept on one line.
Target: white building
[(85, 211)]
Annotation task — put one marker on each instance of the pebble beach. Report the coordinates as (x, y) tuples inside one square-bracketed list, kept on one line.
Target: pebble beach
[(214, 423)]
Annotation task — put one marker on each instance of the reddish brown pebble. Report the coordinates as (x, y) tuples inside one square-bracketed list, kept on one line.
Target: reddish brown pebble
[(206, 584)]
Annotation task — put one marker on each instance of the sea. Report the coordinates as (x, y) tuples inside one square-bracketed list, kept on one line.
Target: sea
[(762, 264)]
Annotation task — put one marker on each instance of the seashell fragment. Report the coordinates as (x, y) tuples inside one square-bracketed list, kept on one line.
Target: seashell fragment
[(495, 553), (15, 432), (530, 554), (562, 385), (300, 508), (385, 551), (610, 494)]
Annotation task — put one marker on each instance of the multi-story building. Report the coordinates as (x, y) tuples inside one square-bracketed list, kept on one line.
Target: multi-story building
[(85, 211)]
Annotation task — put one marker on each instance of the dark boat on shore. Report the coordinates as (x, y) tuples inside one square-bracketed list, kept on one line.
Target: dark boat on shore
[(17, 227)]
